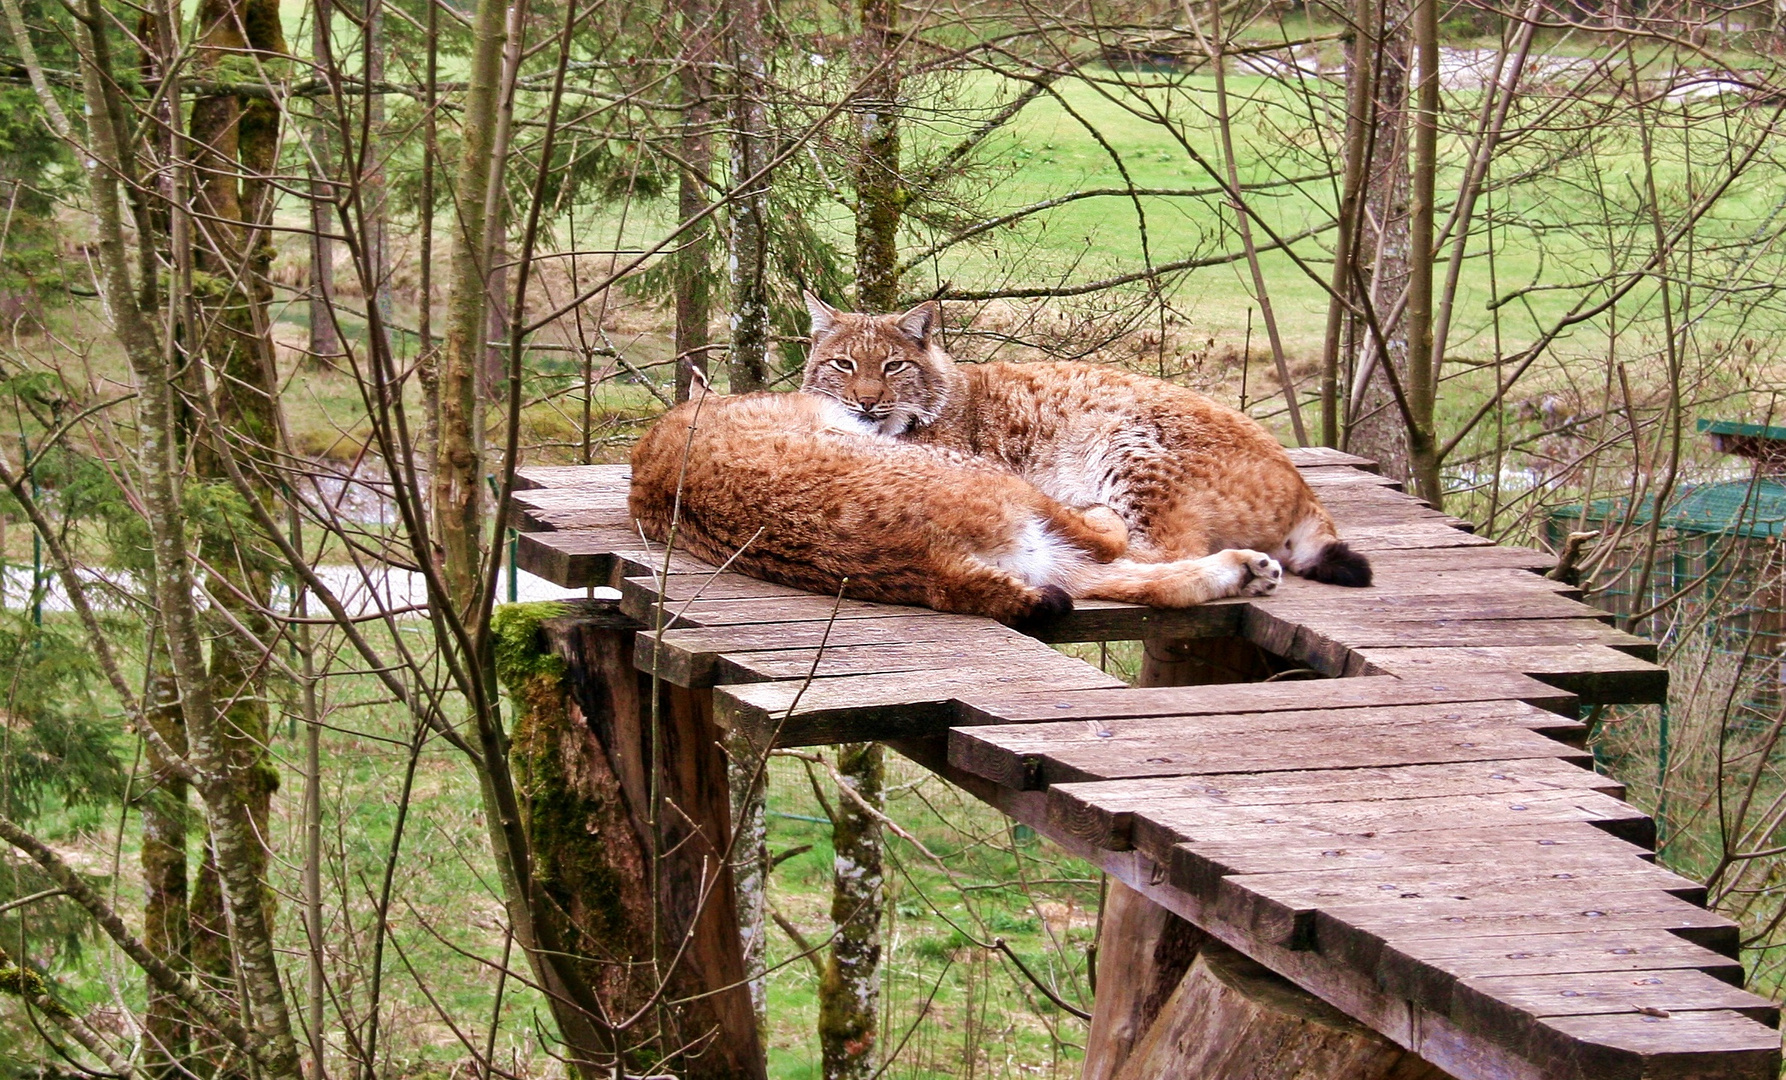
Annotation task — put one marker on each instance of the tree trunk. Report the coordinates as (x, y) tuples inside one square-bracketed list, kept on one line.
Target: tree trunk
[(747, 362), (849, 993), (1423, 367), (693, 290), (1360, 80), (880, 193), (324, 341), (590, 857), (165, 818), (236, 143), (458, 473), (681, 823), (1375, 427), (1143, 952), (1231, 1019)]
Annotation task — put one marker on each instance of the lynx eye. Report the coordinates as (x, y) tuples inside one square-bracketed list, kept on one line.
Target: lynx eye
[(894, 365), (846, 366)]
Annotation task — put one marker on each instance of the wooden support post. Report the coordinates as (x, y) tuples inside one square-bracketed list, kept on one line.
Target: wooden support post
[(1229, 1018), (1171, 1001), (682, 846), (1144, 952)]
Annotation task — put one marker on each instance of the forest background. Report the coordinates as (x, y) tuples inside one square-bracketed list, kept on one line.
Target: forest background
[(290, 289)]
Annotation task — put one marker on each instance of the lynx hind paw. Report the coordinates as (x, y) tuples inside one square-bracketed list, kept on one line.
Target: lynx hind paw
[(1110, 528), (1259, 572)]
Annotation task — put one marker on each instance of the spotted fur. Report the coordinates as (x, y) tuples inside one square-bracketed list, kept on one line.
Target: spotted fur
[(1187, 476), (804, 494)]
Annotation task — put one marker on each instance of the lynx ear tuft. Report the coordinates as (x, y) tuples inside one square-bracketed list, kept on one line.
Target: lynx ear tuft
[(920, 321), (824, 316)]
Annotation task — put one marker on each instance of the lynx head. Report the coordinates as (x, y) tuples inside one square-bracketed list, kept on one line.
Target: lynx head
[(885, 368)]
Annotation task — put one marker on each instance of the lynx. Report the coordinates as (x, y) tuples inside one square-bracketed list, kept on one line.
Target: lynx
[(806, 494), (1187, 476)]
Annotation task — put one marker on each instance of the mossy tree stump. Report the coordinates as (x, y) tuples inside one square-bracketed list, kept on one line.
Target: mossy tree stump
[(629, 818)]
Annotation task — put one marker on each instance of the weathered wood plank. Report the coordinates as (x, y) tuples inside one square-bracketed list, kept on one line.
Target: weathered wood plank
[(690, 656), (557, 509), (859, 708), (1434, 602), (1308, 457), (991, 657), (1371, 539), (1042, 754), (571, 559), (1030, 707), (1330, 645), (534, 477), (1479, 558), (1589, 993), (1107, 620), (1689, 1045), (1524, 912), (1599, 675)]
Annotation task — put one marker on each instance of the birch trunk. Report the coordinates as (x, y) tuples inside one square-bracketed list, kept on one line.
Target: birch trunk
[(849, 993)]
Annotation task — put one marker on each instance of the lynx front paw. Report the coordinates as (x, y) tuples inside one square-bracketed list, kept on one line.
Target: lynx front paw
[(1258, 573)]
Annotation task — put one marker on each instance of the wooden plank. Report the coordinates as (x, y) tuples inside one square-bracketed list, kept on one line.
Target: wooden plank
[(1691, 1045), (642, 605), (1426, 969), (1434, 601), (571, 559), (1042, 754), (1030, 706), (1479, 558), (859, 708), (533, 477), (1513, 1009), (1589, 872), (1329, 644), (1321, 477), (1590, 993), (1599, 675), (553, 509), (690, 656), (1166, 824), (1554, 845), (990, 657), (1304, 457), (1371, 539), (1526, 912)]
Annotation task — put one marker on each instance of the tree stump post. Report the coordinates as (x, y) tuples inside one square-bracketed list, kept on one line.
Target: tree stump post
[(600, 845), (1173, 1002)]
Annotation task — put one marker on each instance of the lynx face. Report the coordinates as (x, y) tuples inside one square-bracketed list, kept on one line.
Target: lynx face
[(880, 367)]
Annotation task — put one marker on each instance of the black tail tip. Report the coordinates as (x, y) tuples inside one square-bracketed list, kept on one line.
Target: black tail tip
[(1338, 564), (1052, 602)]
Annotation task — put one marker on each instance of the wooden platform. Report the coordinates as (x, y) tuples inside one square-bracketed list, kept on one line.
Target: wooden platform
[(1417, 838)]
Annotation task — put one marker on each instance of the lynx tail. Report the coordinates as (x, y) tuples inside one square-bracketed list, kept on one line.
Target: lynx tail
[(1338, 564)]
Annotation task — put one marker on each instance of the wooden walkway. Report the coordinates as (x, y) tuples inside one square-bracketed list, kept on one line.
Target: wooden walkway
[(1420, 841)]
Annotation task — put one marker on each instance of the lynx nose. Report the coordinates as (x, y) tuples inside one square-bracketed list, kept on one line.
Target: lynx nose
[(869, 398)]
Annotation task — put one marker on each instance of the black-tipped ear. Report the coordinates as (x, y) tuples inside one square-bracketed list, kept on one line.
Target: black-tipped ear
[(824, 316), (918, 323)]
